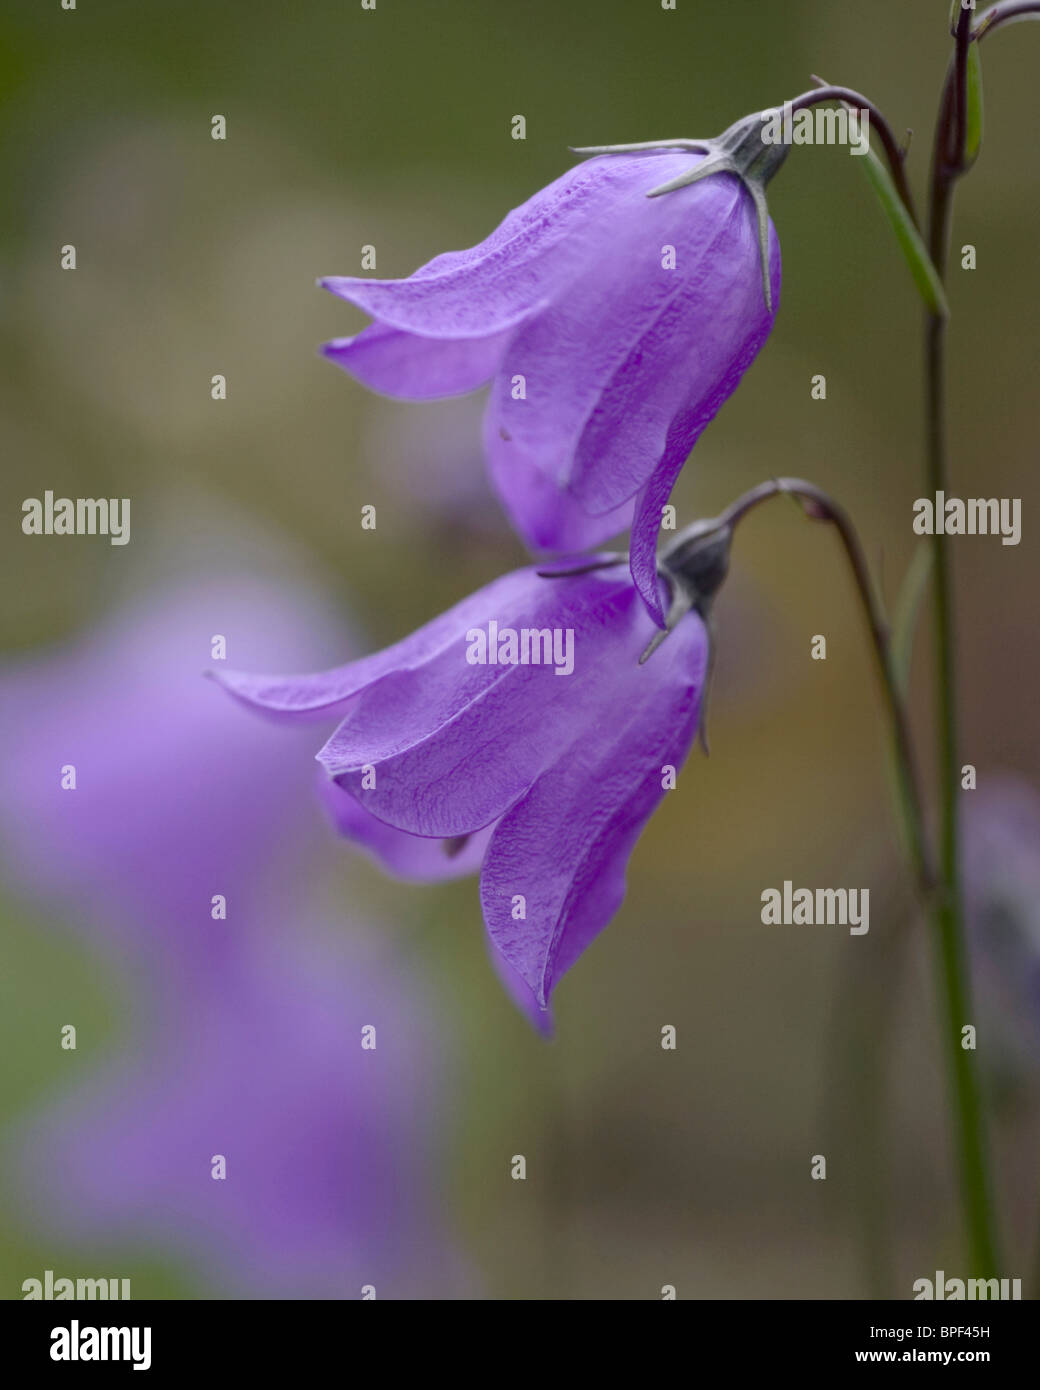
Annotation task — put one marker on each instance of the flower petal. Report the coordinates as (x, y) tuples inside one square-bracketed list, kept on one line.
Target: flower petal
[(547, 517), (686, 366), (570, 355), (453, 745), (328, 693), (404, 365), (539, 1016), (562, 850), (500, 282), (414, 857), (642, 545), (612, 385), (683, 435)]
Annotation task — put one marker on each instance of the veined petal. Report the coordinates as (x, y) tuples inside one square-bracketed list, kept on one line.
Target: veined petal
[(454, 745), (684, 369), (508, 276), (538, 1015), (685, 430), (570, 355), (326, 694), (646, 525), (404, 365), (413, 857), (562, 850), (612, 388), (547, 517)]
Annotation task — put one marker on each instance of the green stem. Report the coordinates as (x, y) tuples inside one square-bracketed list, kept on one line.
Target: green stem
[(948, 918), (816, 503)]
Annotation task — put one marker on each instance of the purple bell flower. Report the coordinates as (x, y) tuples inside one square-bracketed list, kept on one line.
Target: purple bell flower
[(611, 325), (518, 731)]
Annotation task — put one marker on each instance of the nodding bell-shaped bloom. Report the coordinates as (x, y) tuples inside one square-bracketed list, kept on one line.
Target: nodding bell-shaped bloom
[(612, 324), (517, 733)]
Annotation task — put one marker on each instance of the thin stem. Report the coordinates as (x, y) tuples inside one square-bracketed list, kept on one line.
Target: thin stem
[(960, 86), (821, 507), (864, 1012), (894, 152), (1000, 14), (947, 166)]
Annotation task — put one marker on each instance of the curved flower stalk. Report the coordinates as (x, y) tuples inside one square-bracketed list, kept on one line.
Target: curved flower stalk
[(613, 314), (520, 732)]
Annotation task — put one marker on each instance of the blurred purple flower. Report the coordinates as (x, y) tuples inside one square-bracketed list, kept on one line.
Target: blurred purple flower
[(248, 1029), (326, 1145), (612, 327), (1001, 834), (556, 773), (172, 803), (429, 459)]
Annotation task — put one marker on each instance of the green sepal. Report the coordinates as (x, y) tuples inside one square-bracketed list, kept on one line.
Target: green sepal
[(907, 611), (915, 253)]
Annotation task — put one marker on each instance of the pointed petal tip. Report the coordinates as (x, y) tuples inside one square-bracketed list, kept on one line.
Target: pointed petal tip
[(342, 285), (227, 680), (654, 608), (651, 597), (333, 352), (542, 1020), (646, 579), (545, 1025), (323, 758)]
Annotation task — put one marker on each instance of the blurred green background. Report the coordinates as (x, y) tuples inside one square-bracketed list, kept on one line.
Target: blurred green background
[(392, 128)]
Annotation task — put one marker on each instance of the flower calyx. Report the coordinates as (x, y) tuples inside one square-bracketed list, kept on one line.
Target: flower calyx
[(742, 150)]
